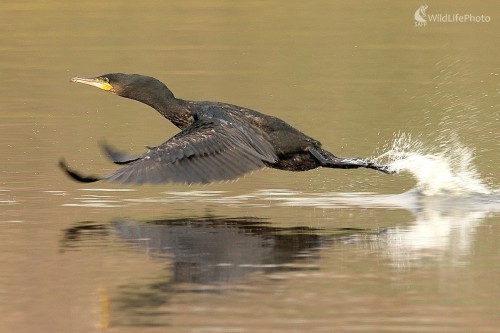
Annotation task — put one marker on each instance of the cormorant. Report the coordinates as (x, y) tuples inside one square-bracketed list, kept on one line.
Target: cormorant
[(217, 141)]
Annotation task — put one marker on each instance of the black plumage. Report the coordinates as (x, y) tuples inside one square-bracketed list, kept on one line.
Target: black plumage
[(217, 141)]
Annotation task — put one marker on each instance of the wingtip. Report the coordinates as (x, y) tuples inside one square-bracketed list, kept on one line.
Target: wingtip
[(117, 156), (76, 175)]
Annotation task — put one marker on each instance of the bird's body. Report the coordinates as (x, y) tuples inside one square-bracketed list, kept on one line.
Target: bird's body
[(217, 142)]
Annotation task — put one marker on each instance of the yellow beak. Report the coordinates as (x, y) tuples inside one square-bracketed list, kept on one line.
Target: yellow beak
[(98, 82)]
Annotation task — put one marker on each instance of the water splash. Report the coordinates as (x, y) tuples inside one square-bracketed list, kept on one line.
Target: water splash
[(447, 169)]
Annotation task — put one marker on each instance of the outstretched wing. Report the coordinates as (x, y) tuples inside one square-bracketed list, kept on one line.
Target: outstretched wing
[(208, 151)]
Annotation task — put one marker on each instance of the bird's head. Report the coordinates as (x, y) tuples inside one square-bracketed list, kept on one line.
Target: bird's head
[(134, 86)]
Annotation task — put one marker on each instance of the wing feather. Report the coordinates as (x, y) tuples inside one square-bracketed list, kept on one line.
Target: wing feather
[(209, 150)]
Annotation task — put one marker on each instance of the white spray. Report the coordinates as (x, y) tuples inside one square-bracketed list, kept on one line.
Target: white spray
[(446, 169)]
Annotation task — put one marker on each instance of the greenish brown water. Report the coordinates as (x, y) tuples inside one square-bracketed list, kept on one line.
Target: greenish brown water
[(319, 251)]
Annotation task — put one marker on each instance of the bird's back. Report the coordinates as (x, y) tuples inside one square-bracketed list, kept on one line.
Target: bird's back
[(283, 137)]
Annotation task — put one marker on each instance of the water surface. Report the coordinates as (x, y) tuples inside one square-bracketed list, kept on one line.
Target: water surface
[(319, 251)]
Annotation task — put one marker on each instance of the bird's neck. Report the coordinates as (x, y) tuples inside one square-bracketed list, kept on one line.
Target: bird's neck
[(173, 109)]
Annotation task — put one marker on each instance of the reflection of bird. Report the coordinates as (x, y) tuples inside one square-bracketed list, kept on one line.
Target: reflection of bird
[(210, 250), (217, 141)]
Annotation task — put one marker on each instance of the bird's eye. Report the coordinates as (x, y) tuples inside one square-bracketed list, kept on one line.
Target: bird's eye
[(105, 79)]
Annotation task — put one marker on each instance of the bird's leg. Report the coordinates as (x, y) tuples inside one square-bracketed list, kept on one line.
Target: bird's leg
[(328, 160), (332, 161)]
